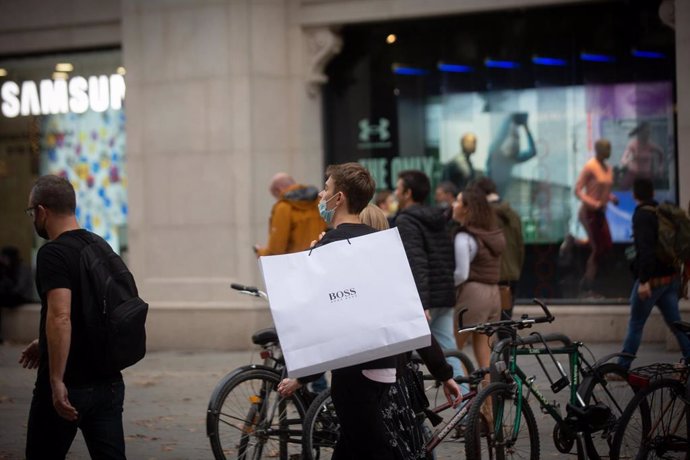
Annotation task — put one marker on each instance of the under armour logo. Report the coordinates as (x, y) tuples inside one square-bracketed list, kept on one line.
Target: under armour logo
[(366, 130)]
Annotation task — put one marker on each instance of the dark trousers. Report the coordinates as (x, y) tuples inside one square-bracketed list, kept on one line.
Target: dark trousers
[(50, 436), (357, 402)]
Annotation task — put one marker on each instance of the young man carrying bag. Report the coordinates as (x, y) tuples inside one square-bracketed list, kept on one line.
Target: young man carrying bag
[(358, 390)]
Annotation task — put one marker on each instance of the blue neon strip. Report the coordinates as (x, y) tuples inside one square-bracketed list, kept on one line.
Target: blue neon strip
[(554, 62), (409, 71), (648, 54), (501, 64), (597, 57), (455, 68)]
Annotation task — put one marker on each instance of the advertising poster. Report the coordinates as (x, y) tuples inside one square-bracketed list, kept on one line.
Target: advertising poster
[(89, 150)]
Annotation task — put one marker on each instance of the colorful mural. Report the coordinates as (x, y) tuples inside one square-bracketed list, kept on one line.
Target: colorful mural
[(89, 150)]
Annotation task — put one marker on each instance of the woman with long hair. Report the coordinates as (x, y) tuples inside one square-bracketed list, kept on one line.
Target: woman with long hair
[(479, 243)]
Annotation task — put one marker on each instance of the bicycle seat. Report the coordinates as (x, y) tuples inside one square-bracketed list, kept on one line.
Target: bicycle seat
[(265, 336)]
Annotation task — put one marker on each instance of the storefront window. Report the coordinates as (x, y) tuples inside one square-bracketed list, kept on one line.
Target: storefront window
[(64, 114), (536, 90)]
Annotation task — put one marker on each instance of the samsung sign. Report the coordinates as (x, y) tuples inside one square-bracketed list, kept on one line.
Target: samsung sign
[(77, 95)]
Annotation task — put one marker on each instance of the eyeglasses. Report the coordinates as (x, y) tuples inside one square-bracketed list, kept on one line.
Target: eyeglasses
[(30, 211)]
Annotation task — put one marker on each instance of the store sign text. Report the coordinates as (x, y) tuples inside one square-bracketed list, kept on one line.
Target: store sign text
[(379, 168), (79, 94)]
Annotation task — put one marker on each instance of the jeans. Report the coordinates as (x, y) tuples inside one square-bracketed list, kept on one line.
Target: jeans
[(664, 297), (441, 326), (318, 385), (49, 436)]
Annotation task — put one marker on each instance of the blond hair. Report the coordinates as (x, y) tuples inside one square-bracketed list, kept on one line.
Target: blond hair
[(374, 217)]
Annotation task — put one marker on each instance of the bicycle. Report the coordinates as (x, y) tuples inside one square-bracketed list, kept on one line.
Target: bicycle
[(321, 427), (656, 423), (246, 417), (501, 423)]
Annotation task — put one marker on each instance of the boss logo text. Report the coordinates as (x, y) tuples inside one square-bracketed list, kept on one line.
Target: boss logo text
[(345, 294)]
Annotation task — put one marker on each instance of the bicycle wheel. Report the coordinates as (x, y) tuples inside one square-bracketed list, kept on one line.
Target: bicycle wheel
[(321, 428), (491, 430), (248, 419), (655, 424), (607, 384), (467, 364)]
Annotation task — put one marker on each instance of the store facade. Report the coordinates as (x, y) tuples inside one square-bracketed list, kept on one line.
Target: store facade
[(220, 95), (536, 90)]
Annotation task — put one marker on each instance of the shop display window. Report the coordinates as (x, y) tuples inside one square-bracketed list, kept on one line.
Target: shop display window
[(537, 87)]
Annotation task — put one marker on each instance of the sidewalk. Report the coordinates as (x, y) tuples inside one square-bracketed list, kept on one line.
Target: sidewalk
[(167, 395)]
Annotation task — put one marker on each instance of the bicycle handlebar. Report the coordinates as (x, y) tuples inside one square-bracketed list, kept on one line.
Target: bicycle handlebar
[(242, 287), (249, 290), (545, 319), (490, 328)]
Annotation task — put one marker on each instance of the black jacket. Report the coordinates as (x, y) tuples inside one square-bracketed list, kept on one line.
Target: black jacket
[(646, 234), (429, 250)]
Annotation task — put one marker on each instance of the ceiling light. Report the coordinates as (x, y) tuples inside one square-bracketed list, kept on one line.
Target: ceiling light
[(648, 54), (404, 70), (121, 70), (64, 67), (496, 64), (591, 57), (549, 61), (391, 38), (454, 68)]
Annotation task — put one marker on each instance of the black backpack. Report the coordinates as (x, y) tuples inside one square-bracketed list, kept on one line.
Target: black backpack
[(673, 246), (114, 314)]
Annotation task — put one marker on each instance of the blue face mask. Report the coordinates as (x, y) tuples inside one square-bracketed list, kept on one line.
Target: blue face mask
[(326, 214)]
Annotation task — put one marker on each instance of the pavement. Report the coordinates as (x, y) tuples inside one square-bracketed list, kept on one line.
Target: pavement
[(167, 395)]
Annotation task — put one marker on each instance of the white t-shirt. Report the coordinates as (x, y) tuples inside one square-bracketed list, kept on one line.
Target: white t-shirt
[(465, 252), (386, 375)]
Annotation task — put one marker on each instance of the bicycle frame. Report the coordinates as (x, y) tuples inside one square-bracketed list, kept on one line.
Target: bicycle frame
[(441, 433), (575, 359)]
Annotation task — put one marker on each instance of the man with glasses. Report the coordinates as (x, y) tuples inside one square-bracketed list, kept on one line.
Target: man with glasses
[(71, 390)]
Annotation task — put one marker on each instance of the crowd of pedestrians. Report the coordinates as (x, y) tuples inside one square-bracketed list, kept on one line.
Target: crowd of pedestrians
[(466, 255)]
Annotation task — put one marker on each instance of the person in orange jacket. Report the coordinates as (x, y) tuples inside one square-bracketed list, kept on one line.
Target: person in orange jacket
[(295, 221)]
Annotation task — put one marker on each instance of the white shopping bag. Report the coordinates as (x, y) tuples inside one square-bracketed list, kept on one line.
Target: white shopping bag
[(345, 303)]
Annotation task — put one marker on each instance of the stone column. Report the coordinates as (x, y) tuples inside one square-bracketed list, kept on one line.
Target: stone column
[(680, 17), (221, 95), (206, 126)]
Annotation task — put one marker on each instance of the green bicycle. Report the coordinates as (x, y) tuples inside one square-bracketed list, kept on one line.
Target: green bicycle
[(501, 423)]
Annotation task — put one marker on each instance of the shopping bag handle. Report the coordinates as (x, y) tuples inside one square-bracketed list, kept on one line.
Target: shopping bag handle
[(315, 246)]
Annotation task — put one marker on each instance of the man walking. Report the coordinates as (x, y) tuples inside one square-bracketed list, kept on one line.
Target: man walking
[(295, 221), (72, 391), (657, 283), (429, 250)]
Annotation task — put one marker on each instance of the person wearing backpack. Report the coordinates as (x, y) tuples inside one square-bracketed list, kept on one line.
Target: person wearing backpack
[(658, 280), (73, 389)]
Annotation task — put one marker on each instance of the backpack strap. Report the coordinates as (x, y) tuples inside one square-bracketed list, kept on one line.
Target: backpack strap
[(73, 243)]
